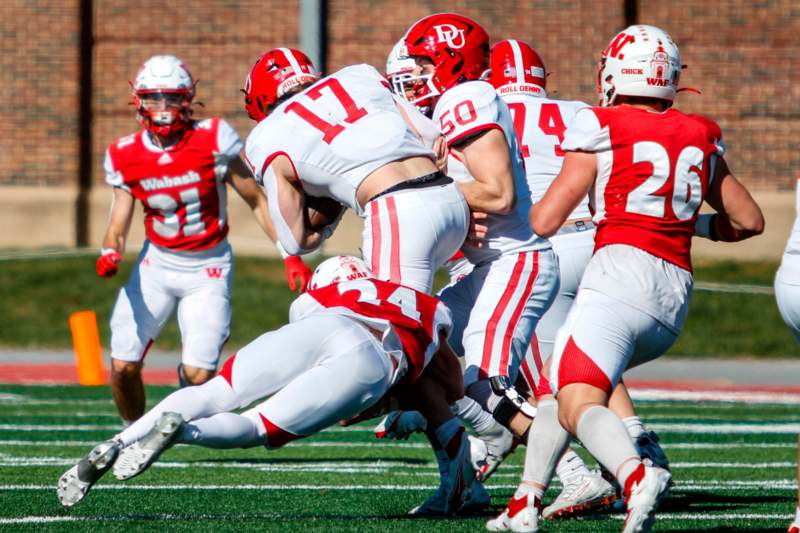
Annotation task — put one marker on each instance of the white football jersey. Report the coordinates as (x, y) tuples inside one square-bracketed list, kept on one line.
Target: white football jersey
[(540, 123), (793, 244), (336, 133), (462, 111)]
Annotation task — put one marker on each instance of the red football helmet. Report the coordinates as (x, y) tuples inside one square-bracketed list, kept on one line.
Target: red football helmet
[(275, 74), (517, 68), (458, 47)]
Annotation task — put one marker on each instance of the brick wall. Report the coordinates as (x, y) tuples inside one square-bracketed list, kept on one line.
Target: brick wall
[(739, 52)]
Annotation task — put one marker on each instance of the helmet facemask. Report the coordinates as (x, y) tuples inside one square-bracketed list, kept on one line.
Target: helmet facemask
[(163, 112)]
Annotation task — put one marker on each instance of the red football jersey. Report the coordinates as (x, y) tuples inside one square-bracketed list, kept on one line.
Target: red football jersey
[(653, 171), (409, 319), (181, 188)]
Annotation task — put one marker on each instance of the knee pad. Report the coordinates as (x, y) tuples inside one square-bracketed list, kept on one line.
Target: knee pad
[(500, 398)]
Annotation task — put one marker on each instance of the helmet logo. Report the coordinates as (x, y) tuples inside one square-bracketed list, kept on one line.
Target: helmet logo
[(659, 66), (614, 49), (447, 33)]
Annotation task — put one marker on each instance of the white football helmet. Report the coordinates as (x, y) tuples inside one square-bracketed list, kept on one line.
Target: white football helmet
[(639, 61), (400, 74), (336, 269), (162, 93)]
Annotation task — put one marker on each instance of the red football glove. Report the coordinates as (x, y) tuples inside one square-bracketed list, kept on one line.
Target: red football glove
[(297, 270), (108, 264)]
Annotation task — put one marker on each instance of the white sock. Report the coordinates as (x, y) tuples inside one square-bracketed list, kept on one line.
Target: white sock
[(546, 443), (797, 515), (605, 437), (571, 467), (634, 426), (524, 489), (223, 430), (212, 397)]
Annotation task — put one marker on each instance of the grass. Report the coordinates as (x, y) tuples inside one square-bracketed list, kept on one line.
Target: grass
[(346, 480), (39, 295)]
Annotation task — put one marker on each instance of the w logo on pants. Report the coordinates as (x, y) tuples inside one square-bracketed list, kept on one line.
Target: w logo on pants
[(214, 272)]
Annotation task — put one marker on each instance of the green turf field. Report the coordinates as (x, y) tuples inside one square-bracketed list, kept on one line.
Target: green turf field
[(739, 477), (39, 295)]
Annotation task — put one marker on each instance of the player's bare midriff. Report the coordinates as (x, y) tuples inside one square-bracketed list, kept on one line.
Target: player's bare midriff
[(391, 174)]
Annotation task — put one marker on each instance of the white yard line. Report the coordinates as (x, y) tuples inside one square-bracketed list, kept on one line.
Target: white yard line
[(419, 445), (679, 486), (350, 467), (167, 516), (699, 428)]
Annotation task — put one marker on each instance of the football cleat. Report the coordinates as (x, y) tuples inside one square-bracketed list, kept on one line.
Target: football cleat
[(650, 450), (521, 515), (137, 457), (584, 493), (455, 493), (75, 483), (400, 425), (475, 501), (647, 486)]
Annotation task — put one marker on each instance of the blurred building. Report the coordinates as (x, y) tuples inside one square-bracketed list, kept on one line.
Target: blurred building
[(65, 66)]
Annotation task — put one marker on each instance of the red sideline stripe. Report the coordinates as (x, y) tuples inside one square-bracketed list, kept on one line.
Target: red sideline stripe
[(708, 386), (67, 374)]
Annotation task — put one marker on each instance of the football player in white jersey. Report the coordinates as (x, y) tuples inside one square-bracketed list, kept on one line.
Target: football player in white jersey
[(351, 338), (787, 294), (346, 138), (178, 168), (496, 306)]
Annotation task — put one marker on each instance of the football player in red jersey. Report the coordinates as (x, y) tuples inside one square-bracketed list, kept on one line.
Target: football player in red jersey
[(178, 168), (351, 340), (648, 168)]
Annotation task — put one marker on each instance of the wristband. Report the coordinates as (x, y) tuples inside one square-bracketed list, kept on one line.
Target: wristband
[(706, 227)]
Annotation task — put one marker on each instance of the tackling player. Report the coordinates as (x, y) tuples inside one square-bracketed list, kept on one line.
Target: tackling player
[(346, 138), (351, 341), (178, 168), (648, 167)]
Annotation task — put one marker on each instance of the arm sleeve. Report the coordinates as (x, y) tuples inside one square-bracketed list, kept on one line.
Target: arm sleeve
[(467, 109), (228, 141), (584, 134), (113, 176), (422, 126), (282, 230)]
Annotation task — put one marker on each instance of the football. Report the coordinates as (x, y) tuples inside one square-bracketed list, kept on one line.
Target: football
[(320, 211)]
